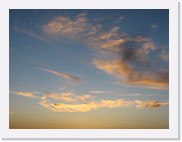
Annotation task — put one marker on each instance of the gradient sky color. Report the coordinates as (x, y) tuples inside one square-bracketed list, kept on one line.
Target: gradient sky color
[(89, 69)]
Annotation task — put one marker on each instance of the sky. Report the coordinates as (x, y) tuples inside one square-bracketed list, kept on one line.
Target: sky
[(89, 69)]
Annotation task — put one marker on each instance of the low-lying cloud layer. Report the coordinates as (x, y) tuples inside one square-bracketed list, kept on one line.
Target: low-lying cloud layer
[(69, 102)]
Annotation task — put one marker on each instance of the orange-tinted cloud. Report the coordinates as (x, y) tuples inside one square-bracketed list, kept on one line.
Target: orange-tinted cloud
[(26, 94), (127, 75), (75, 28), (70, 102), (63, 75), (86, 106), (86, 103), (80, 29), (91, 106), (149, 104), (112, 43), (67, 97)]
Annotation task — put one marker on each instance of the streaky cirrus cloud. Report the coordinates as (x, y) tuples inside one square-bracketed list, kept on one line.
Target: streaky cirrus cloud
[(127, 75), (32, 34), (149, 104), (63, 75), (26, 94)]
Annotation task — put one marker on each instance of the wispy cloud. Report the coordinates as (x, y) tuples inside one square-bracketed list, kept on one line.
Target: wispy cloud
[(82, 30), (74, 28), (90, 106), (155, 26), (25, 94), (32, 34), (63, 75), (149, 104), (164, 56), (113, 43), (127, 51), (68, 97), (127, 75), (98, 92), (70, 102)]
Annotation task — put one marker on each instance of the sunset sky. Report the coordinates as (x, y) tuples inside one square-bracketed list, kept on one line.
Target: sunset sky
[(89, 69)]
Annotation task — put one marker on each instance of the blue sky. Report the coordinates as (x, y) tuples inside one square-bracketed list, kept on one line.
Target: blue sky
[(82, 66)]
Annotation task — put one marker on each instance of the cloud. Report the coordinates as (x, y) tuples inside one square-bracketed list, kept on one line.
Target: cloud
[(132, 95), (79, 28), (69, 102), (98, 92), (113, 43), (84, 106), (127, 75), (113, 33), (149, 104), (73, 28), (67, 97), (90, 106), (109, 42), (164, 56), (32, 34), (63, 75), (26, 94), (137, 49), (155, 26)]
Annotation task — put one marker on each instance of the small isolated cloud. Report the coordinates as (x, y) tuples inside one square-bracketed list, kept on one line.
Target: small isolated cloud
[(155, 26), (149, 104), (128, 75), (26, 94), (63, 75)]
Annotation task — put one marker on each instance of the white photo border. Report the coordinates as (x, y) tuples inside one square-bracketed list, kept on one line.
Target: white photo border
[(171, 133)]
